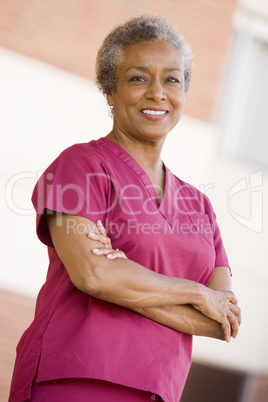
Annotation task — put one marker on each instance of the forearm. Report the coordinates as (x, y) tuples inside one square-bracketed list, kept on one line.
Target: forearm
[(183, 318), (126, 283), (121, 281)]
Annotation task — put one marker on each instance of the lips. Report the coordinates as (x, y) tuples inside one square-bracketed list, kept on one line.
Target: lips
[(154, 113)]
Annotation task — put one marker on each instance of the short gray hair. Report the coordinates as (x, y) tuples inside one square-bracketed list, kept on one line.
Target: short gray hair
[(136, 30)]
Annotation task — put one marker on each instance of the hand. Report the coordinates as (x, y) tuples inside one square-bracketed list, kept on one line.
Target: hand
[(222, 307), (107, 249)]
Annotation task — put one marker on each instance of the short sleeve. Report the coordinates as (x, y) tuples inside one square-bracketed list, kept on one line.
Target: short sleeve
[(221, 256), (75, 183), (221, 259)]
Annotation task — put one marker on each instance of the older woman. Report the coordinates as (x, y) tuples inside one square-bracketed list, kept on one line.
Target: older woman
[(109, 328)]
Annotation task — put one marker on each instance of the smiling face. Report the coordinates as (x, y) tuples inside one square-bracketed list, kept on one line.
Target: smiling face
[(149, 97)]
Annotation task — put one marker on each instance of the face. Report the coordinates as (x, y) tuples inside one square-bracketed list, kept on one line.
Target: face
[(149, 97)]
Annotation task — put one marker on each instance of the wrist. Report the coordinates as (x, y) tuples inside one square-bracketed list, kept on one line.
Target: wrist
[(199, 293)]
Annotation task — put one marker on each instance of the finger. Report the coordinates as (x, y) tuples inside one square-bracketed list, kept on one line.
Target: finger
[(105, 240), (96, 236), (102, 251), (226, 329), (232, 297), (237, 312), (234, 324), (109, 253), (116, 254), (101, 228)]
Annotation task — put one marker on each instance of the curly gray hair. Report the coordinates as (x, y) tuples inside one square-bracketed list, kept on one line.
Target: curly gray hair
[(136, 30)]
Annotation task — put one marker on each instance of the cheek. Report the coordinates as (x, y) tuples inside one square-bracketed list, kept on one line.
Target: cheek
[(178, 105), (179, 100), (134, 97)]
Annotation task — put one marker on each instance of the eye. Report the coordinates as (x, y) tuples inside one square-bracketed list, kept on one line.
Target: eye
[(173, 80), (138, 79)]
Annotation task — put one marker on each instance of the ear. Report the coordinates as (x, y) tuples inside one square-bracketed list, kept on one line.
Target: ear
[(110, 99)]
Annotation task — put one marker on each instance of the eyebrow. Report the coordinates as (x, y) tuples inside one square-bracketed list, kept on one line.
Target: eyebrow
[(141, 68)]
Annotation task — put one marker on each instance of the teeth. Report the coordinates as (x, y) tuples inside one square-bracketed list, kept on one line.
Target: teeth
[(157, 112)]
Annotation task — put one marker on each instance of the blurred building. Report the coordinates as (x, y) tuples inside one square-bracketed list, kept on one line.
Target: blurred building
[(243, 117), (47, 59), (67, 34)]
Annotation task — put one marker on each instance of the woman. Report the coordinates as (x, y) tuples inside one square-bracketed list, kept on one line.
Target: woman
[(109, 328)]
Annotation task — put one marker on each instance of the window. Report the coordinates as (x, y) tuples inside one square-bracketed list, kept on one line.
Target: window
[(243, 107)]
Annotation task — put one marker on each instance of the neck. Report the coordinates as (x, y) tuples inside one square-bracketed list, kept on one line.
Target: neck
[(146, 153)]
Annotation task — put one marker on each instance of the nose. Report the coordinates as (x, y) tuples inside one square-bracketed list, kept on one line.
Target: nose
[(156, 91)]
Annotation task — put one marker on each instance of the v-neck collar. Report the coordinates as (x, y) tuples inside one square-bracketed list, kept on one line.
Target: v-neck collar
[(165, 207)]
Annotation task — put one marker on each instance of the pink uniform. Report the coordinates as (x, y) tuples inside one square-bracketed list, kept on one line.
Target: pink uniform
[(75, 335)]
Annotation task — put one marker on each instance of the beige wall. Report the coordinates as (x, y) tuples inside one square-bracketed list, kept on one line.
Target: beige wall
[(255, 6)]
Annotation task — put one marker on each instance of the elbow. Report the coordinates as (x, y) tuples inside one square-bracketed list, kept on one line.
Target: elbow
[(89, 286), (87, 281)]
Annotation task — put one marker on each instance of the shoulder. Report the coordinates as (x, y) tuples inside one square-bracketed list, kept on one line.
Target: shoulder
[(93, 149), (73, 167), (81, 156)]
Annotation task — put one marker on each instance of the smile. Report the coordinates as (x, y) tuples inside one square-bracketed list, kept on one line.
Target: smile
[(154, 112)]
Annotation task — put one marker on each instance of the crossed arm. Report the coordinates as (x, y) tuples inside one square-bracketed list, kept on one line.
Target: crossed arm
[(185, 318), (180, 304)]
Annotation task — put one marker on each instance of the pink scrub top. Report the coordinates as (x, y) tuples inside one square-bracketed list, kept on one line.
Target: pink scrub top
[(75, 335)]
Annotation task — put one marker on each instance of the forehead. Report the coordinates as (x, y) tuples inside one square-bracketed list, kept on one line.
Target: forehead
[(150, 53)]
